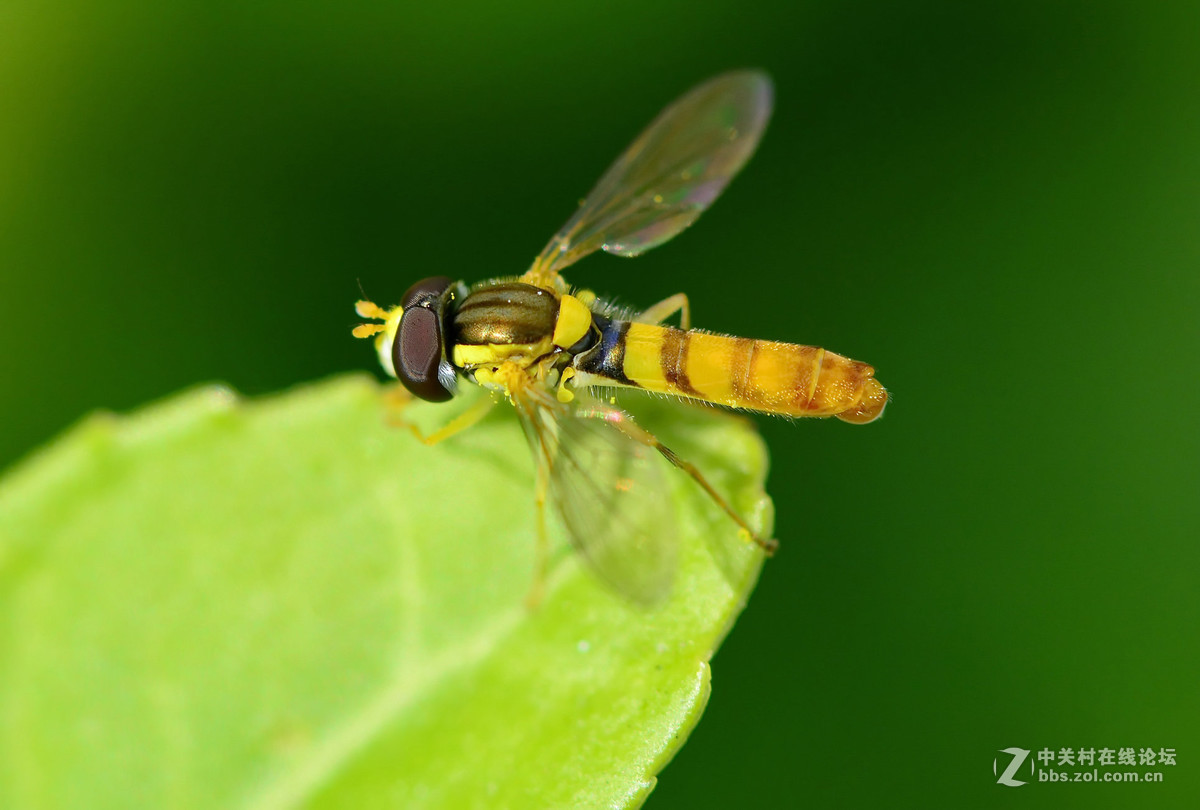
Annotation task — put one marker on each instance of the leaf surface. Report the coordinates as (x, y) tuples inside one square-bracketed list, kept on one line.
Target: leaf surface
[(288, 603)]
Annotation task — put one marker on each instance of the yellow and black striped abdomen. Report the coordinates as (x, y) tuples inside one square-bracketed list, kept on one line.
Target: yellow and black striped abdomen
[(758, 375)]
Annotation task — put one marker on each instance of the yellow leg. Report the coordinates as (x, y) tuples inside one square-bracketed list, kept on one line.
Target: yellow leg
[(666, 308), (627, 426), (398, 399), (537, 589)]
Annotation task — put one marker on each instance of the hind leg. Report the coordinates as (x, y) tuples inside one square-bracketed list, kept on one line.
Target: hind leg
[(624, 423), (666, 308)]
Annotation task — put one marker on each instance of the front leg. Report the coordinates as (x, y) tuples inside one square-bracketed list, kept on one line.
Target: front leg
[(397, 399)]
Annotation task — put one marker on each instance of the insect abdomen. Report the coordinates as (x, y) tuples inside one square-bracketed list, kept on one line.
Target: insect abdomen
[(759, 375)]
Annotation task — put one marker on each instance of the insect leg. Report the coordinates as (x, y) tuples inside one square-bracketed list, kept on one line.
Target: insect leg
[(634, 431), (537, 588), (398, 399), (666, 308)]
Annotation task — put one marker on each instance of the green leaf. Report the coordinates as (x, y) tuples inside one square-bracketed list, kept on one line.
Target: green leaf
[(289, 602)]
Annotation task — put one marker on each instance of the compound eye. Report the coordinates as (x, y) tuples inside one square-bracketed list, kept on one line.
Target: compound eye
[(426, 293), (418, 350)]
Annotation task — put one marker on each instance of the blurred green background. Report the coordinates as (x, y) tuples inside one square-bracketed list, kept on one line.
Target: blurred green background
[(996, 204)]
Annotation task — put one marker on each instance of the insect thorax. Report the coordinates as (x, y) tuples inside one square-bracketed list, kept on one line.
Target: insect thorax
[(502, 321), (504, 313), (515, 324)]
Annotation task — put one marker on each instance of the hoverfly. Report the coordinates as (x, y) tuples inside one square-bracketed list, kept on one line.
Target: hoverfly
[(548, 347)]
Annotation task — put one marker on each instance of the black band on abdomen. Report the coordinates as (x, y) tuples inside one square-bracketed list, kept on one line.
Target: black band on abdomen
[(607, 358)]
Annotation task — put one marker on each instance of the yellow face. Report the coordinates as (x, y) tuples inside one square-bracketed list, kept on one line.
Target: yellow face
[(383, 343)]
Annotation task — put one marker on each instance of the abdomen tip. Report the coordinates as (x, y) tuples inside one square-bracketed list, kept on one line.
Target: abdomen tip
[(870, 406)]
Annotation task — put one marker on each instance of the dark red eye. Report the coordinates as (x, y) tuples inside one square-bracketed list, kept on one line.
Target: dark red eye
[(426, 293), (419, 350)]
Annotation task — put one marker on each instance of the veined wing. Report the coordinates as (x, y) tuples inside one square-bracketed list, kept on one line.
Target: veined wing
[(668, 176), (610, 494)]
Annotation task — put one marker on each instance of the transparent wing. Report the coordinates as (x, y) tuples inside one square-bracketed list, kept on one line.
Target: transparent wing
[(610, 494), (669, 175)]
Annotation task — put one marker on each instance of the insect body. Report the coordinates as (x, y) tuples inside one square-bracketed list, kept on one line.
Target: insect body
[(547, 347)]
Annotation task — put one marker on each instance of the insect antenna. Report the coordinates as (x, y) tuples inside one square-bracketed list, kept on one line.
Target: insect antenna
[(369, 309)]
